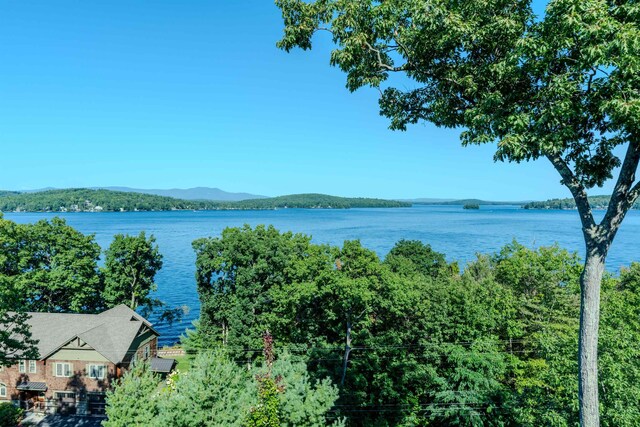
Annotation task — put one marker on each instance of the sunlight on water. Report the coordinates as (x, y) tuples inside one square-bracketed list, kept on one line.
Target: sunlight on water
[(458, 233)]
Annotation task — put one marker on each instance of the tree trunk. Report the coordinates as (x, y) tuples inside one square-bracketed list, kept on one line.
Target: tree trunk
[(590, 281), (598, 239), (347, 350), (134, 300)]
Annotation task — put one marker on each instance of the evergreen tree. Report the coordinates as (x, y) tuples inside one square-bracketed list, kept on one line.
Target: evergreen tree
[(134, 400)]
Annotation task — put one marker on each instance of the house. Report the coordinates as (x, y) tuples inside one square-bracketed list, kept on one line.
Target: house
[(80, 356)]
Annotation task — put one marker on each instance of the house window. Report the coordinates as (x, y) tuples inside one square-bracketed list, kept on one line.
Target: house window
[(97, 372), (3, 390), (146, 352), (22, 367), (62, 369), (32, 367), (66, 400)]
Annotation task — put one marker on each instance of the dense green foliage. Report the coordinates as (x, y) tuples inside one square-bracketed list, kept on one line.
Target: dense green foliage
[(564, 86), (412, 257), (234, 273), (471, 206), (131, 264), (596, 202), (15, 338), (322, 201), (135, 399), (10, 415), (266, 411), (218, 392), (85, 200), (410, 340), (49, 266)]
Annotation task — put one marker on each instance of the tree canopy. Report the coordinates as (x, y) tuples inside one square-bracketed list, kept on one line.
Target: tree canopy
[(49, 266), (218, 392), (15, 338), (564, 86), (411, 340), (130, 267)]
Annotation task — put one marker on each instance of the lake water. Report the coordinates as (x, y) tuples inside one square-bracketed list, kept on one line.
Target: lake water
[(458, 233)]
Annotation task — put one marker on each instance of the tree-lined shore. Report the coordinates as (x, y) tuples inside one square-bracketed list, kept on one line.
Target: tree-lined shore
[(316, 335), (89, 200), (596, 202)]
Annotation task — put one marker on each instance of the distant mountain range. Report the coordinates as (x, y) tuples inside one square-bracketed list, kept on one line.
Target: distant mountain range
[(196, 193)]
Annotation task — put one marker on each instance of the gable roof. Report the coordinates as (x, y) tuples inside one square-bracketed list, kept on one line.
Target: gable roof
[(110, 333)]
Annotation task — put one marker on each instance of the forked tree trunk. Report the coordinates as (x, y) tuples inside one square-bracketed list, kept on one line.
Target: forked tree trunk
[(590, 281), (598, 239)]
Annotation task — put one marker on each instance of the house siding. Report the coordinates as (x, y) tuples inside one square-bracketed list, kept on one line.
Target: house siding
[(116, 334), (88, 355), (138, 345), (78, 383)]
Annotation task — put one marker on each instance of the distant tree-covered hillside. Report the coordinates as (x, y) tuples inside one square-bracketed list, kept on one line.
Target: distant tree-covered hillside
[(597, 202), (86, 200), (317, 201)]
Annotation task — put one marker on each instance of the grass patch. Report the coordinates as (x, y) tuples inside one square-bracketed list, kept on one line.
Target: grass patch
[(183, 363)]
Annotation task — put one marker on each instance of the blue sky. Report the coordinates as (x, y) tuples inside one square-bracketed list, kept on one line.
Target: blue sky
[(169, 94)]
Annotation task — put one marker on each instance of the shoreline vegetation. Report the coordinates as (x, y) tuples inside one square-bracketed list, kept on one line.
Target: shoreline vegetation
[(102, 200), (89, 200), (596, 202)]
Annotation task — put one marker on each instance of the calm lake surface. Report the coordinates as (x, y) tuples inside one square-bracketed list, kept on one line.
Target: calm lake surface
[(458, 233)]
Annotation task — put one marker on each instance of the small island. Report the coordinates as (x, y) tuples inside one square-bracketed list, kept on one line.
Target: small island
[(471, 206)]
